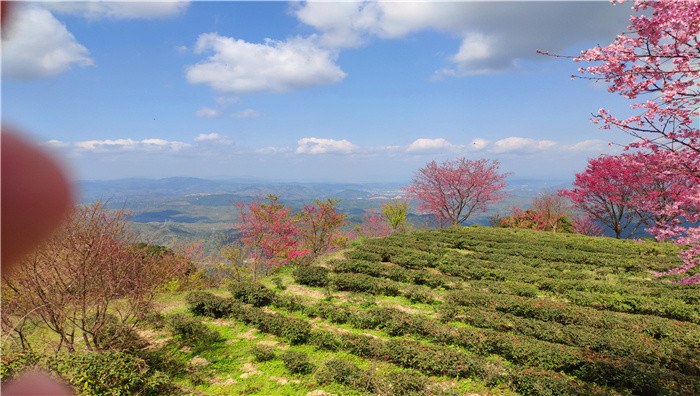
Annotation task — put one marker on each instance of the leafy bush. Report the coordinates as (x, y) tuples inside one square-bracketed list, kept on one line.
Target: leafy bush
[(346, 373), (252, 293), (98, 374), (405, 383), (361, 283), (311, 276), (116, 335), (297, 362), (207, 304), (291, 303), (324, 339), (191, 330), (417, 294), (263, 353)]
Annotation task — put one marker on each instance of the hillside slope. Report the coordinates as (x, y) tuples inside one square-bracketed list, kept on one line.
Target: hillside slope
[(462, 311), (507, 310)]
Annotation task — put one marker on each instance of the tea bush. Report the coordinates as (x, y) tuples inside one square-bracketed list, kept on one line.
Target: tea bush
[(311, 276), (297, 362), (251, 293), (263, 353)]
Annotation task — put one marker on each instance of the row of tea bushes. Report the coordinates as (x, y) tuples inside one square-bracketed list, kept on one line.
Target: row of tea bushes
[(584, 363), (426, 358)]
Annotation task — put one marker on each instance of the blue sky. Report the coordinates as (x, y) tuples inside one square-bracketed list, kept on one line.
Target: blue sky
[(332, 92)]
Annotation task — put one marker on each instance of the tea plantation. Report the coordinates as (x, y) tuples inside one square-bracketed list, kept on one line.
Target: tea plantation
[(473, 310)]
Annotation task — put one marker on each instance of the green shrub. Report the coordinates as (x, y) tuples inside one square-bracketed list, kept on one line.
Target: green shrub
[(98, 374), (405, 383), (207, 304), (364, 255), (191, 330), (346, 373), (297, 362), (324, 339), (263, 353), (289, 302), (311, 276), (251, 293), (118, 336), (416, 294), (331, 312)]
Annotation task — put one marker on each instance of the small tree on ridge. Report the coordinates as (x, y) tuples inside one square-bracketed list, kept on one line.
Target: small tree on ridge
[(454, 190)]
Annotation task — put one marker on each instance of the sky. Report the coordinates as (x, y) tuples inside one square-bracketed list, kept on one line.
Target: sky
[(308, 91)]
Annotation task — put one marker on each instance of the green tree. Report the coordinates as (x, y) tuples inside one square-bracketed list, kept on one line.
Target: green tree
[(395, 212)]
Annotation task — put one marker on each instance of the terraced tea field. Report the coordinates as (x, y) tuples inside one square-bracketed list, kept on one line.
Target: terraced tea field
[(462, 311), (474, 310)]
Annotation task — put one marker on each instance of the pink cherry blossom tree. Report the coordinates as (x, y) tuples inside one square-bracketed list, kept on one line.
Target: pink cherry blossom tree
[(269, 234), (606, 191), (318, 227), (454, 190), (656, 64)]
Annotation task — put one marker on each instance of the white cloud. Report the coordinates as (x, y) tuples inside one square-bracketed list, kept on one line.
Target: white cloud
[(276, 66), (495, 35), (314, 145), (522, 145), (38, 45), (479, 144), (213, 137), (120, 145), (246, 113), (592, 145), (120, 10), (208, 112), (56, 144), (422, 146)]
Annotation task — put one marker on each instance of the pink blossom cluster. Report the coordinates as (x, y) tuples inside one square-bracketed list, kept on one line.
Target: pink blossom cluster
[(453, 190), (659, 58)]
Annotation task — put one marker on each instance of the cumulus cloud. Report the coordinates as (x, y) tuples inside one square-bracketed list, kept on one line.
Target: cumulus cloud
[(495, 36), (208, 112), (246, 113), (38, 45), (522, 145), (314, 145), (593, 145), (479, 144), (120, 10), (213, 138), (121, 145), (241, 67), (422, 146)]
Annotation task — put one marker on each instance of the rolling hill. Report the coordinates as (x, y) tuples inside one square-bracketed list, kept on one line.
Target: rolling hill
[(471, 310)]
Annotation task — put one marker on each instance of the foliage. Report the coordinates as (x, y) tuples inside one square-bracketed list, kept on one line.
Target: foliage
[(263, 353), (251, 292), (98, 373), (536, 220), (373, 225), (311, 276), (89, 269), (658, 58), (192, 331), (586, 225), (297, 362), (269, 234), (395, 211), (607, 191), (405, 383), (318, 228), (231, 264), (454, 190)]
